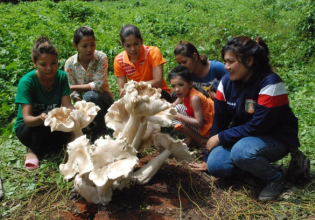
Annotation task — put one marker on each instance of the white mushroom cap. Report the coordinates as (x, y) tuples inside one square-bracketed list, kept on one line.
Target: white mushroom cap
[(81, 120), (142, 100), (87, 189), (163, 118), (179, 150), (67, 120), (89, 109), (79, 158), (84, 113), (58, 119), (112, 159), (117, 117)]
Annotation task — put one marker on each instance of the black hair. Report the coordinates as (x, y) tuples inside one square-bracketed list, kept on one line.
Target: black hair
[(128, 30), (42, 45), (182, 72), (185, 74), (81, 32), (188, 49), (245, 48)]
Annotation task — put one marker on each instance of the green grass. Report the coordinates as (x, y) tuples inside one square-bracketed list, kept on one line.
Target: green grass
[(287, 26)]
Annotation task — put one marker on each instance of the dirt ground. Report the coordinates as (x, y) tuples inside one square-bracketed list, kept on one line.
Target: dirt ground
[(175, 192)]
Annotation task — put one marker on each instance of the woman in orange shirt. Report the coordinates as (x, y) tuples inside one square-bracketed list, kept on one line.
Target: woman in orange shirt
[(139, 62)]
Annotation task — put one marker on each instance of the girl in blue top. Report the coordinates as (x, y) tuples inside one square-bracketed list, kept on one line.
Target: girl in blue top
[(206, 74), (38, 92), (253, 123)]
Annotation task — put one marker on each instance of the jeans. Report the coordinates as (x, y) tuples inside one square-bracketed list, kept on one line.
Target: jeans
[(252, 154), (102, 100)]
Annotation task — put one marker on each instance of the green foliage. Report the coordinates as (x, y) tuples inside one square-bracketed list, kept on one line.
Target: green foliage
[(287, 26)]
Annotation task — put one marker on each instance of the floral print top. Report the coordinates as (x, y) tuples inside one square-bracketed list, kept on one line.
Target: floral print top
[(96, 72)]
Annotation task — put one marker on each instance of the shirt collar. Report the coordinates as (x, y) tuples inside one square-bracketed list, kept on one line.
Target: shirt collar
[(94, 58), (141, 58)]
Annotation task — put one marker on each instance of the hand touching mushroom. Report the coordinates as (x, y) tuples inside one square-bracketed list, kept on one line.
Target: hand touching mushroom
[(67, 120)]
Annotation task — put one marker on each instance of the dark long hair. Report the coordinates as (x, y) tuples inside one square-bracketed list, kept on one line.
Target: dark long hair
[(43, 46), (244, 48), (128, 30), (187, 49), (185, 74)]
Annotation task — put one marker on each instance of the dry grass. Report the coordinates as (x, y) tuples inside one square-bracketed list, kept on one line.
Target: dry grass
[(209, 198)]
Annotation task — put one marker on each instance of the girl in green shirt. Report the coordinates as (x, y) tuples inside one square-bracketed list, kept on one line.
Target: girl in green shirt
[(38, 92)]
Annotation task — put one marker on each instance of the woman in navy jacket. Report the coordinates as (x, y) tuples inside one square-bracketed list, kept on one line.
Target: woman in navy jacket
[(253, 122)]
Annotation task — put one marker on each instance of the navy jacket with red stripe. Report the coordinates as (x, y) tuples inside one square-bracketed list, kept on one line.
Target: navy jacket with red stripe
[(257, 107)]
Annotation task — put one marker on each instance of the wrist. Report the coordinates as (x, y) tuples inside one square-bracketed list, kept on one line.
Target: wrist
[(43, 117), (92, 85)]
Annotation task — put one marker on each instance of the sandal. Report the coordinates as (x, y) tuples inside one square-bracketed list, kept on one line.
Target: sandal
[(31, 164)]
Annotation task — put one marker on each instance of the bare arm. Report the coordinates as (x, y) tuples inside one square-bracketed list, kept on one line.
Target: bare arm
[(157, 80), (198, 121), (213, 142), (29, 119), (122, 80), (177, 101), (81, 88), (66, 102)]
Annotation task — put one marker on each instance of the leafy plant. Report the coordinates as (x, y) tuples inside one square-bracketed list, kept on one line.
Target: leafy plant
[(287, 26)]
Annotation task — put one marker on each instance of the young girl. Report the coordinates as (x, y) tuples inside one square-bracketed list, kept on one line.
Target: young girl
[(193, 108), (87, 72), (206, 74), (38, 92), (139, 62), (253, 125)]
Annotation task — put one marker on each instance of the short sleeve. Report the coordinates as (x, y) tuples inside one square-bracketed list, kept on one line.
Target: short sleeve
[(118, 70), (24, 93), (155, 57)]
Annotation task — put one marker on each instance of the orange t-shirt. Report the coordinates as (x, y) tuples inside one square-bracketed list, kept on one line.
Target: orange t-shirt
[(150, 57), (207, 108)]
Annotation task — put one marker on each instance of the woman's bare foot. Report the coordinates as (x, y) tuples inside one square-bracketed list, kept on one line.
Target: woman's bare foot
[(30, 154)]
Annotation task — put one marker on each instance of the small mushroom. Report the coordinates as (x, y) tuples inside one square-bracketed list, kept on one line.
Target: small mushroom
[(179, 150), (67, 120), (170, 146), (58, 119)]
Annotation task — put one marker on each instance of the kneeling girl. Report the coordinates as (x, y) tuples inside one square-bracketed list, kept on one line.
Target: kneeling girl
[(194, 110)]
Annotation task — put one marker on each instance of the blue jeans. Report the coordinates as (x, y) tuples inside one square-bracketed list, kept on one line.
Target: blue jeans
[(252, 154)]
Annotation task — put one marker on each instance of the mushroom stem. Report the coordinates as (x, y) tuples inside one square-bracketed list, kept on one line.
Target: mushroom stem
[(145, 174), (76, 133), (139, 135), (131, 128)]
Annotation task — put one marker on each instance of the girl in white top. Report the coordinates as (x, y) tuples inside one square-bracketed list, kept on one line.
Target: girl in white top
[(87, 74)]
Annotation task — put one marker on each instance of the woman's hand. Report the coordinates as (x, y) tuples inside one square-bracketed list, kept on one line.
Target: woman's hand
[(178, 116), (198, 166), (122, 93), (212, 143), (43, 116)]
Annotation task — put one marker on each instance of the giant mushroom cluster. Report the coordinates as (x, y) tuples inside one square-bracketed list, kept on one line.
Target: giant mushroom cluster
[(108, 164)]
